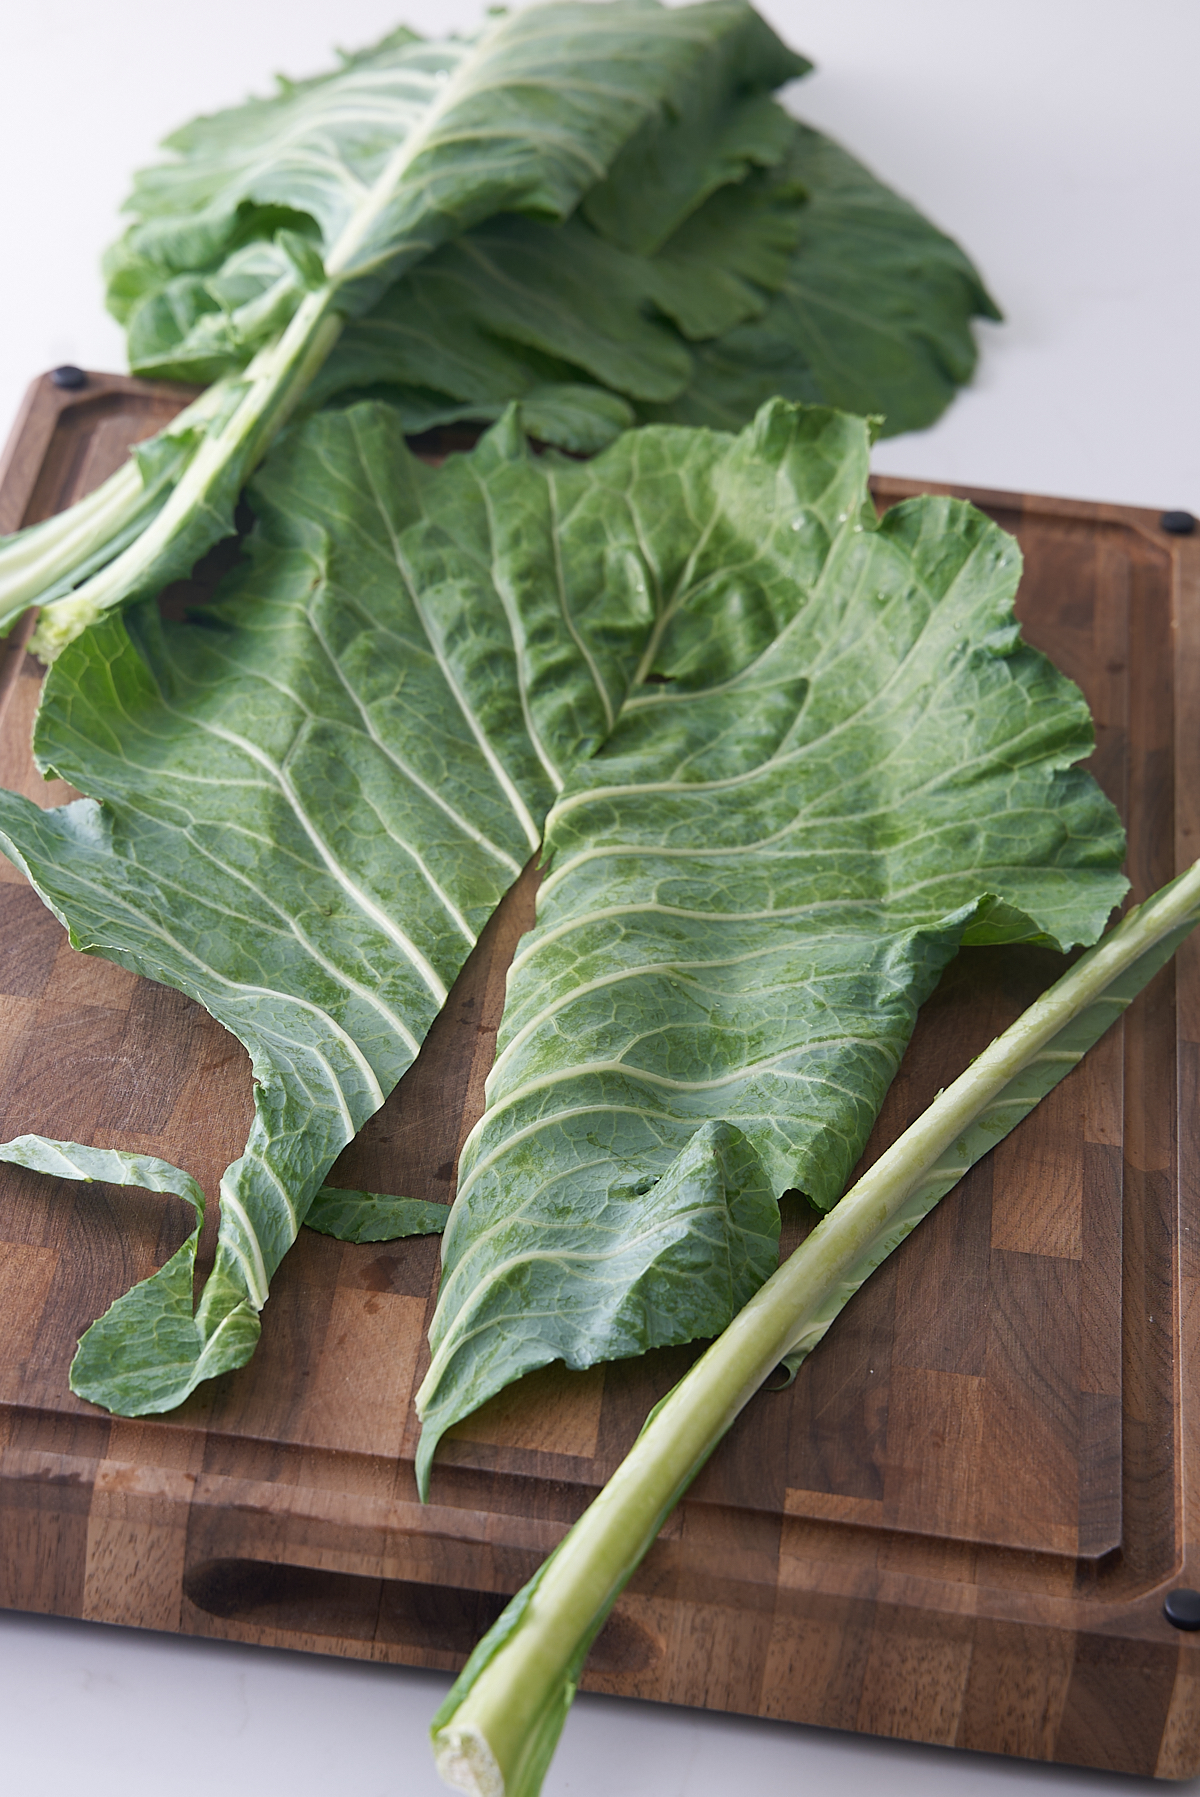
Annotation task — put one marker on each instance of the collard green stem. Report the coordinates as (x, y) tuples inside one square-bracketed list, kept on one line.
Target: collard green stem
[(496, 1732), (200, 508)]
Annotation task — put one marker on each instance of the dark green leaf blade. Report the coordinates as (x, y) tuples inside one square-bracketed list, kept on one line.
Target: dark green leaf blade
[(811, 280), (517, 303), (874, 315), (721, 128), (466, 321), (579, 418)]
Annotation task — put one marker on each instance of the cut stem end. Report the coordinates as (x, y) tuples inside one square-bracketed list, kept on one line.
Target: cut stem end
[(465, 1761)]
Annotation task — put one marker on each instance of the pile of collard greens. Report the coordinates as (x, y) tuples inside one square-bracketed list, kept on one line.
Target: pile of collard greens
[(598, 210), (777, 760), (724, 254)]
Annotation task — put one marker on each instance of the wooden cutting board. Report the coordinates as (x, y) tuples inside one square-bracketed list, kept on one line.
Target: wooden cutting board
[(958, 1525)]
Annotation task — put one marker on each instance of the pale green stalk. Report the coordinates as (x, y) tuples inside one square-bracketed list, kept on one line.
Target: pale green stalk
[(45, 560), (32, 560), (238, 417), (272, 385), (496, 1732), (126, 530)]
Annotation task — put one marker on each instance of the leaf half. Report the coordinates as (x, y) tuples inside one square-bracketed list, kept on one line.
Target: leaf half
[(498, 1727), (307, 803), (751, 888)]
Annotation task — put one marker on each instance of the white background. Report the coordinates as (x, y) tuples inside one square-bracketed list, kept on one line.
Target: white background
[(1057, 140)]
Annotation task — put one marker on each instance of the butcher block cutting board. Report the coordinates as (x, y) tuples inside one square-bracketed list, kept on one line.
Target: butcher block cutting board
[(960, 1523)]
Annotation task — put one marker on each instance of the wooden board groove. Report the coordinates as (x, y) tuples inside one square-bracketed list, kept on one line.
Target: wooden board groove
[(957, 1526)]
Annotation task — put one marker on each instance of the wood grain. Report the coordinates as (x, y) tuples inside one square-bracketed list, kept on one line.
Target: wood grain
[(958, 1525)]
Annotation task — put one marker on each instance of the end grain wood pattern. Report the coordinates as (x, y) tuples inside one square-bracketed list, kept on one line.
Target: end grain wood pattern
[(957, 1526)]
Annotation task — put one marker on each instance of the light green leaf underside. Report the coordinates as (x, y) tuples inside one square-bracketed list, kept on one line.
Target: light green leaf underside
[(154, 1320), (73, 1160), (874, 314), (750, 889), (156, 1316), (353, 1216), (793, 760)]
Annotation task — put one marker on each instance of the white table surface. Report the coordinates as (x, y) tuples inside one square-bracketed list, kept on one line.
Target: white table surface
[(1057, 140)]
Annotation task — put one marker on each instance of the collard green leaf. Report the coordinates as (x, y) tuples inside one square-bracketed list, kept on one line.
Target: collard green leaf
[(311, 800), (407, 145), (372, 1216), (694, 222), (750, 889), (155, 1318), (811, 280), (874, 314), (790, 759)]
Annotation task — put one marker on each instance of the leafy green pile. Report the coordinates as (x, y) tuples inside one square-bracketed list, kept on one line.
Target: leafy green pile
[(779, 760), (598, 210), (718, 212)]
